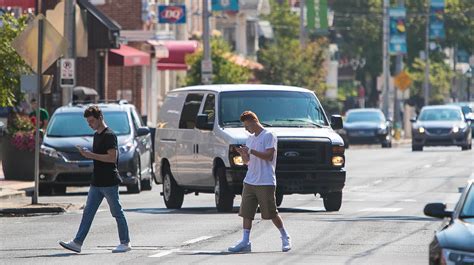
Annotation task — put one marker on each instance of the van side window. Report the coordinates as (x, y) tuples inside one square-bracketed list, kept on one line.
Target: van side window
[(209, 108), (136, 120), (190, 111)]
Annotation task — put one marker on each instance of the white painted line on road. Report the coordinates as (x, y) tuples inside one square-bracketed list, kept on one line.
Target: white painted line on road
[(380, 210), (164, 253), (377, 181), (407, 200), (427, 166), (354, 200), (195, 240)]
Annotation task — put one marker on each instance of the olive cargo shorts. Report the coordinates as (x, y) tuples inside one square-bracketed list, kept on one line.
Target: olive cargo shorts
[(254, 196)]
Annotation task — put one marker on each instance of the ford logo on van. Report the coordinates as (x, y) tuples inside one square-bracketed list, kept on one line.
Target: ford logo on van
[(292, 154)]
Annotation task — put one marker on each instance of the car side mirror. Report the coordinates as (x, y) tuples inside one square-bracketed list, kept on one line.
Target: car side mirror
[(412, 119), (142, 131), (336, 122), (437, 210), (202, 123)]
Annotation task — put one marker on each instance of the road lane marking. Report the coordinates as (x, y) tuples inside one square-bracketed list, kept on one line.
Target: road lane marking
[(164, 253), (427, 166), (380, 210), (377, 181), (195, 240), (407, 200)]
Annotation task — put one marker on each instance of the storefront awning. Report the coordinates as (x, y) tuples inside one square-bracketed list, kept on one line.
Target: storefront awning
[(177, 51), (128, 56), (24, 4)]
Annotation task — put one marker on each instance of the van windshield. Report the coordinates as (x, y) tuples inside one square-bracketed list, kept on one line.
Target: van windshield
[(273, 108)]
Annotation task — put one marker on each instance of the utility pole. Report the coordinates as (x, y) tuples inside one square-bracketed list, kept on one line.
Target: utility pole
[(426, 81), (386, 58), (39, 84), (206, 64), (70, 35), (398, 70), (302, 28)]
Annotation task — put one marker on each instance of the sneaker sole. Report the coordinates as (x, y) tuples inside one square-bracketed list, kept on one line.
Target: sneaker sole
[(121, 251), (69, 248)]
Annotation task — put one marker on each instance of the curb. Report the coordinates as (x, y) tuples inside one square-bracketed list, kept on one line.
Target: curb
[(35, 210)]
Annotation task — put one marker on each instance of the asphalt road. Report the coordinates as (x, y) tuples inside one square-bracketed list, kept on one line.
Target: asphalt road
[(381, 220)]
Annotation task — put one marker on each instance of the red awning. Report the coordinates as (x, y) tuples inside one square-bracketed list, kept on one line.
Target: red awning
[(25, 4), (177, 54), (128, 56)]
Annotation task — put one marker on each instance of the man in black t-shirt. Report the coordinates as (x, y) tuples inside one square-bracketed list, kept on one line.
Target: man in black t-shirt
[(105, 182)]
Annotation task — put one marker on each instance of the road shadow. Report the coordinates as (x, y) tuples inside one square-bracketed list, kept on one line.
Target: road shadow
[(210, 210), (384, 218), (222, 253), (57, 255)]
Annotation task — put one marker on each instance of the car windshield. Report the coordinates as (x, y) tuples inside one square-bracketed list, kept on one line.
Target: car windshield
[(468, 208), (364, 116), (440, 114), (74, 124), (273, 108)]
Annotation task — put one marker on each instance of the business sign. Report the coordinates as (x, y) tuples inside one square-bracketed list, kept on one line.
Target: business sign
[(398, 36), (225, 5), (172, 14), (436, 28)]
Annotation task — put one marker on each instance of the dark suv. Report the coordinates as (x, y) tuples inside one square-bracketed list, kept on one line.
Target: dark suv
[(61, 165)]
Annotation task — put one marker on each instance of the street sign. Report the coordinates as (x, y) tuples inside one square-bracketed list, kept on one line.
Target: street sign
[(225, 5), (206, 66), (172, 14), (402, 81), (68, 73)]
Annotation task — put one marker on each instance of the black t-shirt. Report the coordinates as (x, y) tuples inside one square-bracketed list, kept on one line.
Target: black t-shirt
[(105, 174)]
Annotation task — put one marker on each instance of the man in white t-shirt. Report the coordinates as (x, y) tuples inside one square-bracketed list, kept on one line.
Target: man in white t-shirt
[(259, 185)]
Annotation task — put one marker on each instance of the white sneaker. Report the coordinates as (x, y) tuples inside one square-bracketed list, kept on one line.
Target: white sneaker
[(122, 248), (285, 244), (241, 247), (71, 245)]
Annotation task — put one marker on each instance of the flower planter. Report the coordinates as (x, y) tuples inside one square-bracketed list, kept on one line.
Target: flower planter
[(17, 164)]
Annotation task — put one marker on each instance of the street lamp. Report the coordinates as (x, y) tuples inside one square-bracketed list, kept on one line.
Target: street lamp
[(468, 75)]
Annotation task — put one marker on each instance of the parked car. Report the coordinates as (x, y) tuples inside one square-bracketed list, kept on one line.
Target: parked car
[(441, 125), (454, 242), (199, 128), (367, 126), (61, 164), (468, 111)]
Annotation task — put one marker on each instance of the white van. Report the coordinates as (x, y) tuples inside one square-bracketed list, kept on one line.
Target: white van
[(199, 127)]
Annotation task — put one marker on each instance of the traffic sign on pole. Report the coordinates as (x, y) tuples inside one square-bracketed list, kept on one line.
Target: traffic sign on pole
[(68, 73)]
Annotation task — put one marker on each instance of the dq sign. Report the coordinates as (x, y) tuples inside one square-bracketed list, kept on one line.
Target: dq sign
[(172, 14)]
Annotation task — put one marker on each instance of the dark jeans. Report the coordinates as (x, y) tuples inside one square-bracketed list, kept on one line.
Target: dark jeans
[(94, 199)]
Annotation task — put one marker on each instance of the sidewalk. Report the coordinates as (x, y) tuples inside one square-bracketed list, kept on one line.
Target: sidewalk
[(15, 202)]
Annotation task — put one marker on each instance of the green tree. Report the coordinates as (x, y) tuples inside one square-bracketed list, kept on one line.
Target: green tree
[(11, 64), (224, 70), (284, 61), (440, 80)]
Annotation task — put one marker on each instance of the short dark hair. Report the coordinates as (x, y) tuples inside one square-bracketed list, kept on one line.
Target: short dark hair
[(33, 100), (93, 111), (248, 116)]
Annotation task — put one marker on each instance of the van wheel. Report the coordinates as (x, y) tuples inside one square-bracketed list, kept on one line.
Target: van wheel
[(59, 189), (332, 201), (278, 198), (173, 195), (45, 189), (222, 194), (417, 148)]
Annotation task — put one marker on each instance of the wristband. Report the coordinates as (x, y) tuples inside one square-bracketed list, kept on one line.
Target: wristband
[(250, 151)]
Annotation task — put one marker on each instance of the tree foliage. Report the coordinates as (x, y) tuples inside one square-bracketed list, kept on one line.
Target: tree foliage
[(284, 61), (11, 64), (224, 70)]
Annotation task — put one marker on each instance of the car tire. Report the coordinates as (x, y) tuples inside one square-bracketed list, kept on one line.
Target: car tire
[(224, 197), (147, 184), (465, 147), (45, 189), (137, 187), (387, 144), (173, 195), (333, 201), (278, 198), (417, 148)]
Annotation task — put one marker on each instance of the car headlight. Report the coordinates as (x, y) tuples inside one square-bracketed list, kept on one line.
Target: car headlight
[(338, 161), (51, 152), (382, 129), (238, 161), (455, 129), (421, 130), (452, 257), (126, 147)]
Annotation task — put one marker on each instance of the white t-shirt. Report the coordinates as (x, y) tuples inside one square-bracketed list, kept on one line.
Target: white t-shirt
[(261, 172)]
